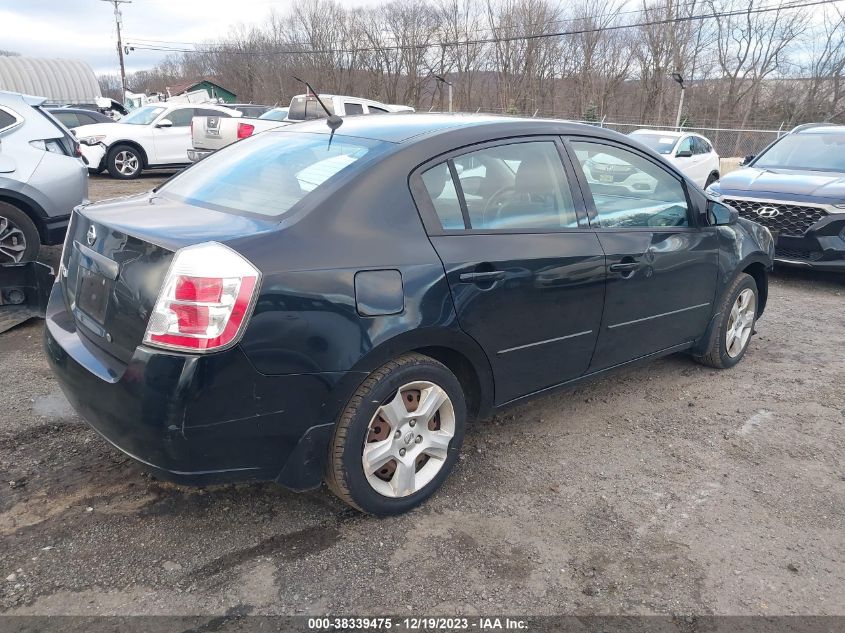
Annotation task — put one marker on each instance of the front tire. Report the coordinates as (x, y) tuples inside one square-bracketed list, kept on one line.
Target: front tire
[(713, 177), (399, 436), (732, 331), (19, 239), (124, 162)]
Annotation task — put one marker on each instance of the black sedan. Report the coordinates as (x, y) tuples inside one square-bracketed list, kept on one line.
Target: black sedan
[(74, 117), (313, 305)]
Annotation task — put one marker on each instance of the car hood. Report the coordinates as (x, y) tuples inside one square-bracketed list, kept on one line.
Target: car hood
[(751, 180), (100, 129)]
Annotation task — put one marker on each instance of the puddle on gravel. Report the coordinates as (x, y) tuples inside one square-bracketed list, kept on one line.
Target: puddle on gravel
[(53, 406)]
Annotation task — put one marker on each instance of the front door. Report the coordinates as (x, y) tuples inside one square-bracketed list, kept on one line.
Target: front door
[(662, 269), (172, 143), (526, 273)]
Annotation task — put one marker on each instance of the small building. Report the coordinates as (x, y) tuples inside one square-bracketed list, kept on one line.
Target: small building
[(215, 91), (60, 81)]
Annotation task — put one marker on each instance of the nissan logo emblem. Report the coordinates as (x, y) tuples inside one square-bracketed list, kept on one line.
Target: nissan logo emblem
[(768, 212), (92, 235)]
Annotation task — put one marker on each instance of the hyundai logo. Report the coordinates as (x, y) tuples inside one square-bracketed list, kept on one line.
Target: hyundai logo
[(92, 235), (768, 212)]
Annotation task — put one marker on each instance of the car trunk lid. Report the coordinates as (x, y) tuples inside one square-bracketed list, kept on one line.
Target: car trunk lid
[(116, 259)]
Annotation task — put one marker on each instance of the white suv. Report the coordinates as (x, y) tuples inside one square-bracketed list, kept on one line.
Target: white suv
[(154, 136), (691, 153)]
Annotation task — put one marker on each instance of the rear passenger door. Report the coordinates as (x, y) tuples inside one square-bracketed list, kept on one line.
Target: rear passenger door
[(526, 272), (662, 268)]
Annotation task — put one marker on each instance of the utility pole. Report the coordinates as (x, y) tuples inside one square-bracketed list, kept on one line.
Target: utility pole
[(448, 83), (678, 78), (117, 20)]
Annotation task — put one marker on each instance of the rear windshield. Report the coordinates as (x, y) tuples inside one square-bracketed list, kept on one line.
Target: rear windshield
[(813, 152), (659, 143), (304, 108), (268, 173)]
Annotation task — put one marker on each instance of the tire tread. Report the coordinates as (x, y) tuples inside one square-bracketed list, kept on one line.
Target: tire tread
[(712, 356)]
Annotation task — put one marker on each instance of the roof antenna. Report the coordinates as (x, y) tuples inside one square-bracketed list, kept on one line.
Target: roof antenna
[(332, 120)]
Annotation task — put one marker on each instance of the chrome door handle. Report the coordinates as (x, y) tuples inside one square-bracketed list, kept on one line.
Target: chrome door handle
[(623, 267), (482, 277)]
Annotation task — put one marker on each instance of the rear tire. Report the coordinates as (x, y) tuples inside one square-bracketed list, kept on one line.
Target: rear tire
[(387, 425), (731, 334), (19, 239), (124, 162), (711, 179)]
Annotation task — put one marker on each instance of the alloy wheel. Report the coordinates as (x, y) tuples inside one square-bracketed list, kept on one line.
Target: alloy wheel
[(126, 162), (740, 323), (12, 242), (408, 439)]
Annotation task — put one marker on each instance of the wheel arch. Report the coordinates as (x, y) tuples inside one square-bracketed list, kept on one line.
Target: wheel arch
[(455, 349), (760, 274), (32, 209), (134, 145)]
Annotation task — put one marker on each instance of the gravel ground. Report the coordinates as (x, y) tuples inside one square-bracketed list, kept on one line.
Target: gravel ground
[(668, 488)]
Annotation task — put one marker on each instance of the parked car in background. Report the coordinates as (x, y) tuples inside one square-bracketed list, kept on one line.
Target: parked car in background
[(42, 177), (275, 114), (692, 153), (74, 117), (251, 110), (796, 188), (314, 303), (153, 136), (210, 133)]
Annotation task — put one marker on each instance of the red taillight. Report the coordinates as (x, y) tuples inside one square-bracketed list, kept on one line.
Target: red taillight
[(245, 129), (205, 301), (203, 289)]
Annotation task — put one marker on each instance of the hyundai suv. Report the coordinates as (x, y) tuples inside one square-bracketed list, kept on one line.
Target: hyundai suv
[(796, 188)]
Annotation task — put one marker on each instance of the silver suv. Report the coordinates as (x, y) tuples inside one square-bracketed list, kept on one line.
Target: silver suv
[(42, 177)]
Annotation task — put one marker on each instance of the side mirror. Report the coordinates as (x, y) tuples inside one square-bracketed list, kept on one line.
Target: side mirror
[(747, 160), (165, 123), (683, 153), (719, 214)]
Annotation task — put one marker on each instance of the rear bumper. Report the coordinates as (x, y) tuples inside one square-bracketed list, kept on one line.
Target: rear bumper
[(195, 155), (195, 419)]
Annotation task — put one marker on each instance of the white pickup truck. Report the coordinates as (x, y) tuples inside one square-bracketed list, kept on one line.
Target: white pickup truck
[(210, 133)]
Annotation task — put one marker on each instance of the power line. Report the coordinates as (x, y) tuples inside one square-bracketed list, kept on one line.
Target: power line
[(494, 40)]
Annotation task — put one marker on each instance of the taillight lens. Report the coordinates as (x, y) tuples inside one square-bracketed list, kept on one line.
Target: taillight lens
[(205, 301), (245, 129)]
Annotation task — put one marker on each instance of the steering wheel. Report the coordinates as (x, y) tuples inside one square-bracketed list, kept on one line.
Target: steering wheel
[(494, 198)]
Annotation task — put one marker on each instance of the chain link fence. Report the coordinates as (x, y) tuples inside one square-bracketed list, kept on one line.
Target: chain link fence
[(728, 143)]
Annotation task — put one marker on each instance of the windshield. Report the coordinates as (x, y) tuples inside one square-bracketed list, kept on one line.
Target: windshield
[(268, 173), (143, 116), (659, 143), (814, 152), (276, 114)]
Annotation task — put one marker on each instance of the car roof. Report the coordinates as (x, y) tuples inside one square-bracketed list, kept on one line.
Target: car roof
[(7, 96), (403, 127), (819, 128)]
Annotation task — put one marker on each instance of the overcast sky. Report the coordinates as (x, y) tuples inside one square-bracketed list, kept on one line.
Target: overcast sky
[(84, 29)]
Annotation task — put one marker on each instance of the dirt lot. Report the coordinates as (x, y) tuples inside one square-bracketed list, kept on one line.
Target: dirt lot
[(669, 488)]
